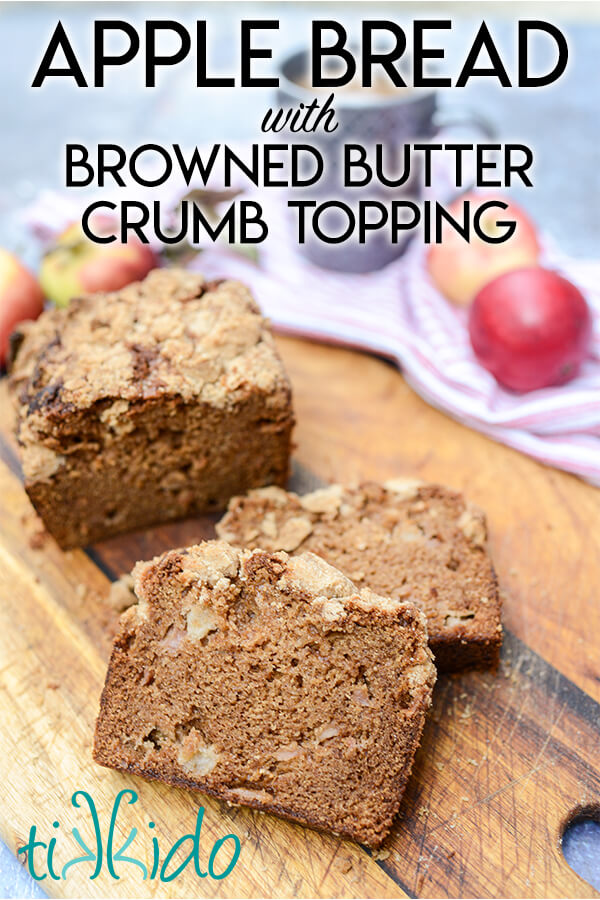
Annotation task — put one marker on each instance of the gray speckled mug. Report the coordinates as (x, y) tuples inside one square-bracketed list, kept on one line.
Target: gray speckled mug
[(392, 118)]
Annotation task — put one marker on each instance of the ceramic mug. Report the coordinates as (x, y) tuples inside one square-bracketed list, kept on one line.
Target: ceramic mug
[(392, 117)]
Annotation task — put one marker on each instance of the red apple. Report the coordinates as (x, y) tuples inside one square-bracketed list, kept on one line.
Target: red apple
[(530, 328), (459, 269), (76, 265), (20, 298)]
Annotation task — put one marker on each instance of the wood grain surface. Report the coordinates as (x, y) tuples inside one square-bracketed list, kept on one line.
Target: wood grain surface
[(507, 756)]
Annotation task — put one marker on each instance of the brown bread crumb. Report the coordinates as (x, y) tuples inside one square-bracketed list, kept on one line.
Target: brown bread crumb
[(402, 539)]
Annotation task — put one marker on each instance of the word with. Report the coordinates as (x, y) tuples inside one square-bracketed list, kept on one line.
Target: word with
[(301, 118)]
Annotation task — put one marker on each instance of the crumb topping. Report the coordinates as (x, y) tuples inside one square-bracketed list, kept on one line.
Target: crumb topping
[(404, 539), (214, 566)]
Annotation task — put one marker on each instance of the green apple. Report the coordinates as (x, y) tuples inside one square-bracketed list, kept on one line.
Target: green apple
[(77, 265), (20, 298)]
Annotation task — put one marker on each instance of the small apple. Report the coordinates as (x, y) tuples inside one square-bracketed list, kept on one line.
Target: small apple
[(459, 269), (531, 328), (76, 265), (20, 298)]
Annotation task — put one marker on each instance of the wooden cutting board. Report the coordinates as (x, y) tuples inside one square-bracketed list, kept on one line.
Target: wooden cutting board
[(507, 757)]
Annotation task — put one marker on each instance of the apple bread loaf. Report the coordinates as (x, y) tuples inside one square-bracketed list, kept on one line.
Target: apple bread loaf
[(148, 404), (404, 539), (268, 681)]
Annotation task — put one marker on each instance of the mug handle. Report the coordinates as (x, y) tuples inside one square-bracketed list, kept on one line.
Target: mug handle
[(452, 117)]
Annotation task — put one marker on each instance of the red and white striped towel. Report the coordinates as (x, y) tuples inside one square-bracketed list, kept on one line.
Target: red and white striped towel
[(398, 313)]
